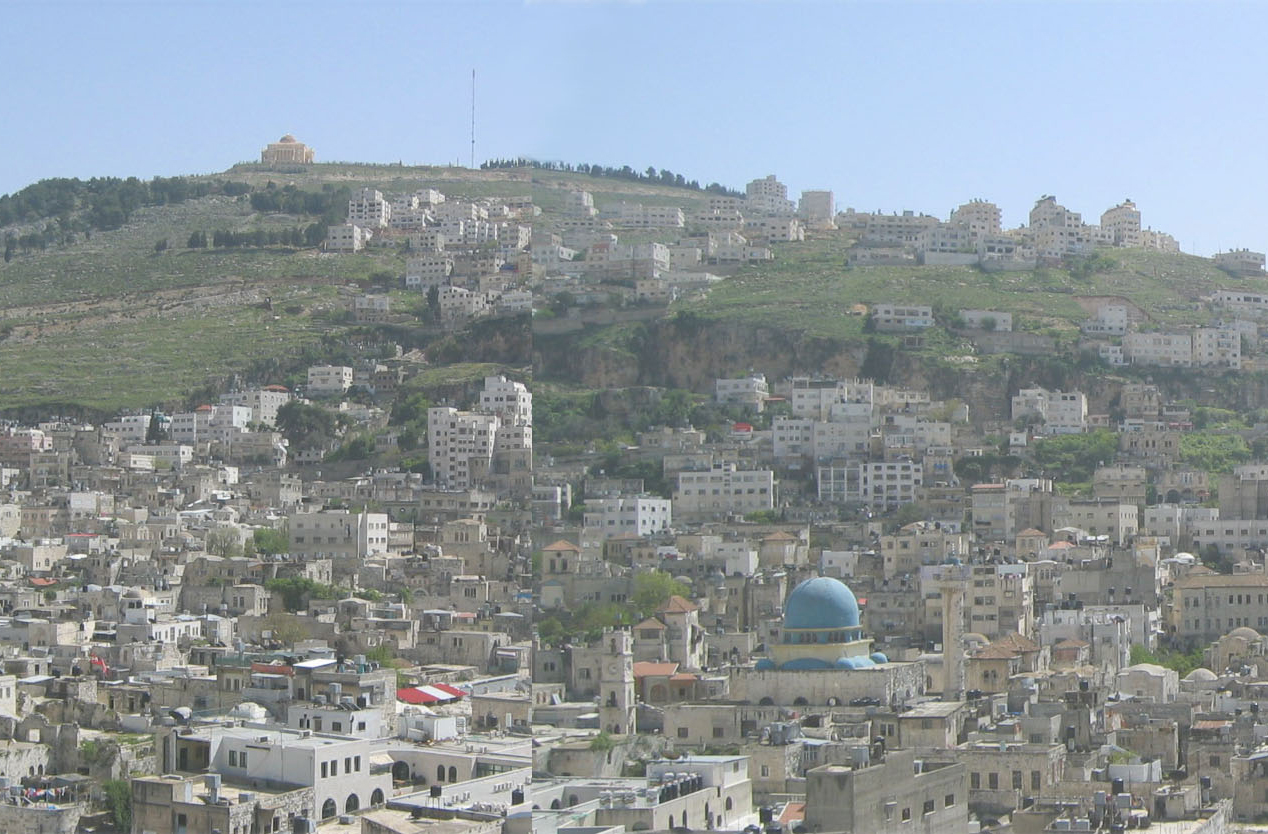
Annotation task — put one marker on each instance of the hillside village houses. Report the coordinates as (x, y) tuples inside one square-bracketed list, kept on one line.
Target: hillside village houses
[(852, 604)]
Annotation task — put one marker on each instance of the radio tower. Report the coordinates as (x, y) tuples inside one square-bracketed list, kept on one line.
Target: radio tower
[(473, 117)]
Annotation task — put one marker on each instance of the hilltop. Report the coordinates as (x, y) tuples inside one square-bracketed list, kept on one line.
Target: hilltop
[(130, 316)]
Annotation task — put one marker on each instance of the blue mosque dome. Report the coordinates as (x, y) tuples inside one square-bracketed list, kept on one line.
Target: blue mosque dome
[(879, 657), (863, 662), (764, 664), (844, 663), (821, 603), (804, 663)]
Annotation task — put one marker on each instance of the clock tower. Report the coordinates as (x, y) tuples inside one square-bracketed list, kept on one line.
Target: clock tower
[(616, 683)]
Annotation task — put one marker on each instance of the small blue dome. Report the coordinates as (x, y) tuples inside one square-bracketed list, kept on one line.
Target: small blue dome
[(821, 603), (879, 657), (844, 663), (861, 662), (764, 664), (804, 663)]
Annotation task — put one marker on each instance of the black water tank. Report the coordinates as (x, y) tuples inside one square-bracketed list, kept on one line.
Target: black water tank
[(1117, 786)]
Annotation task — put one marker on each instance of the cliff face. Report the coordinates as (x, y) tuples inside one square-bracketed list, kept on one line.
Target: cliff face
[(690, 353)]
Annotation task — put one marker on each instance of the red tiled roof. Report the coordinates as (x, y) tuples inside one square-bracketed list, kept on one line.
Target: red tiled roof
[(650, 668), (562, 545), (677, 605)]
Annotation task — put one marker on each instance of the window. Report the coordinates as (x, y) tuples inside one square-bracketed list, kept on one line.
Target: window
[(719, 732), (992, 781), (233, 758), (1035, 778), (948, 800), (1215, 761), (356, 763), (242, 759), (334, 767), (682, 732), (928, 809), (766, 771), (975, 781), (1016, 780), (906, 815), (325, 768)]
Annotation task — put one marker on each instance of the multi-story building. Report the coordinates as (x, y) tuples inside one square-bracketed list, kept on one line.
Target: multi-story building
[(640, 516), (1122, 223), (1241, 261), (889, 316), (980, 217), (369, 209), (343, 773), (347, 237), (338, 534), (890, 794), (1206, 607), (723, 489), (750, 391), (1061, 412), (263, 402), (511, 401), (887, 485), (329, 380), (461, 445), (1217, 347), (817, 208)]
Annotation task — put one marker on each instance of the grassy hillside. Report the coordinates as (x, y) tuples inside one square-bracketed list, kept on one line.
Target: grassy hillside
[(809, 287)]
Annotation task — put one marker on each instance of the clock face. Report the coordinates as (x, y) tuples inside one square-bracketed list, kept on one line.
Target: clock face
[(612, 669)]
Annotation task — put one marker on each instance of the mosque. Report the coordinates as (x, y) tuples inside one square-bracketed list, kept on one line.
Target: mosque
[(822, 656)]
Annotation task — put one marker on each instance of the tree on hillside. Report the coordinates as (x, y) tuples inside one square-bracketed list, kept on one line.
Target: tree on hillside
[(653, 588), (271, 542)]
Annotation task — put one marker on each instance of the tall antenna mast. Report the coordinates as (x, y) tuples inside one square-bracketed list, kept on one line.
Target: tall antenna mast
[(473, 117)]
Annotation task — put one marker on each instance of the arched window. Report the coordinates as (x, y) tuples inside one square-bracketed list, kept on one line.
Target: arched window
[(453, 774), (729, 803), (554, 805), (376, 798), (800, 702), (328, 809), (352, 804), (440, 773), (572, 800)]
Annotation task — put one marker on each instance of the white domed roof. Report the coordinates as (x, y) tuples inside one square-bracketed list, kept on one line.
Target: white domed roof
[(1244, 632), (1200, 674), (249, 710)]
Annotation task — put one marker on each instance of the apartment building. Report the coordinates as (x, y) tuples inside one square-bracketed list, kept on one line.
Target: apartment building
[(888, 316), (263, 402), (1122, 223), (1061, 412), (1206, 607), (980, 217), (887, 485), (338, 534), (639, 516), (723, 489), (369, 209), (328, 380), (1241, 261), (427, 271), (750, 391), (461, 445)]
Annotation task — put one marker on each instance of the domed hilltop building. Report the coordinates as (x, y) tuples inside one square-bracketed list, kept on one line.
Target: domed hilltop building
[(822, 657), (286, 151)]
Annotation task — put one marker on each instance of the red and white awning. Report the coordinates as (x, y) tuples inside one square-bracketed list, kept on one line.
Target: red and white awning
[(433, 693)]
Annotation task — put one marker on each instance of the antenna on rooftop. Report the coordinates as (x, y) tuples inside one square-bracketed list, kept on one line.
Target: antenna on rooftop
[(473, 117)]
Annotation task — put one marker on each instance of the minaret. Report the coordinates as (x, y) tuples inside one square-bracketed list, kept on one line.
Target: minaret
[(616, 683), (951, 580)]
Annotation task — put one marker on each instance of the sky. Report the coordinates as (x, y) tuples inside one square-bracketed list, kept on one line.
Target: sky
[(892, 105)]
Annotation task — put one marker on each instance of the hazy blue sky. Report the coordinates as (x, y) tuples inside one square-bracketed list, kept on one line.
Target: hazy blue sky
[(892, 105)]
